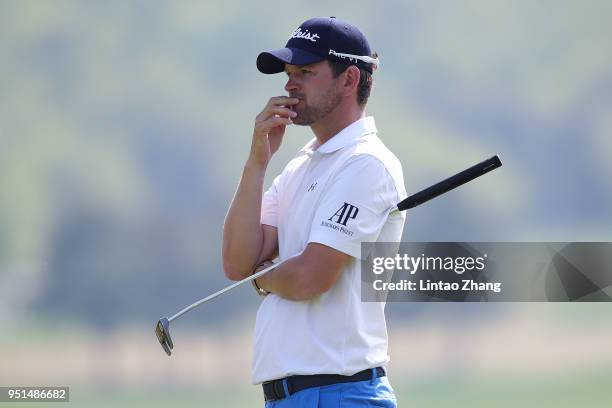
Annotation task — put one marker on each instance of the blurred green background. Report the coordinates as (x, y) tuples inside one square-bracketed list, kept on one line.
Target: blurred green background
[(123, 129)]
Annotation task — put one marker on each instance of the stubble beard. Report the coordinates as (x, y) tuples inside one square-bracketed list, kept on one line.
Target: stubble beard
[(311, 113)]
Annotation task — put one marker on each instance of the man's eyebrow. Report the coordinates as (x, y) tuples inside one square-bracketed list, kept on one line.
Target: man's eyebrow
[(308, 66)]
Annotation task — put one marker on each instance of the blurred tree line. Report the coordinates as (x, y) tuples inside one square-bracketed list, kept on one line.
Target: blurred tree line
[(124, 125)]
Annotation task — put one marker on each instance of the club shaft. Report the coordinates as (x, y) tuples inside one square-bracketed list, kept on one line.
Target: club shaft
[(222, 291)]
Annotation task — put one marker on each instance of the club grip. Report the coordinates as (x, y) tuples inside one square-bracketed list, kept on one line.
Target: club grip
[(450, 183)]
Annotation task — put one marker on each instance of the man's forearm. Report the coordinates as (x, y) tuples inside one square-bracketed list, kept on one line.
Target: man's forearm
[(307, 275), (287, 280), (242, 233)]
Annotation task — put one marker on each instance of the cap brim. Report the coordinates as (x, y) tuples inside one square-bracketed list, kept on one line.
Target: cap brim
[(273, 62)]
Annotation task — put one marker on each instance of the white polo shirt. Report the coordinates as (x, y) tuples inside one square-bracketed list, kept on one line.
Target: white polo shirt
[(337, 194)]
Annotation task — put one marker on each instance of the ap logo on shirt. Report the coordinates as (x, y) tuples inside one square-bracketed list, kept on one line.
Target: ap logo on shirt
[(344, 213)]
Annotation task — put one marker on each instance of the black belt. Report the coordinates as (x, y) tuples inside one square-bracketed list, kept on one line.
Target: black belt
[(275, 390)]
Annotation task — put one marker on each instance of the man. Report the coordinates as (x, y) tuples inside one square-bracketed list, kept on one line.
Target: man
[(316, 343)]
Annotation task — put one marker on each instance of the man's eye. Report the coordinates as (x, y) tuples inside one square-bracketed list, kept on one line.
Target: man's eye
[(305, 71)]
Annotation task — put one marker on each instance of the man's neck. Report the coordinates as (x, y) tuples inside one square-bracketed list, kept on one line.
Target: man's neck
[(334, 122)]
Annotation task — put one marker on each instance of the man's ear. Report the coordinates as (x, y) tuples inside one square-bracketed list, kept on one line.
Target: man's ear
[(351, 79)]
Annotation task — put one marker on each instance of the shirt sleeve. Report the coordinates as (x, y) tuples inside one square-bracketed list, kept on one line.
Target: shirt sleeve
[(354, 207), (269, 204)]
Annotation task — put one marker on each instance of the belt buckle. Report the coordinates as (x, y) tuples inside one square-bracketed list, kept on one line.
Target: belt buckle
[(277, 388)]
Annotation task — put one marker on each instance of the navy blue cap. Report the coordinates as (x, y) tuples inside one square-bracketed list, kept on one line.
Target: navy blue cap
[(315, 40)]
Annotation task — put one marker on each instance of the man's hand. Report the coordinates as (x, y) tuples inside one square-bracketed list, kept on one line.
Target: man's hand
[(270, 127)]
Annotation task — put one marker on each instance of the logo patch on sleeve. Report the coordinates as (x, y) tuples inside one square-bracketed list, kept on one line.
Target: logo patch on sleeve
[(345, 213)]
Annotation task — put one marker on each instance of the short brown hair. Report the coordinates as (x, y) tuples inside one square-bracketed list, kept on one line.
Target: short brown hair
[(365, 80)]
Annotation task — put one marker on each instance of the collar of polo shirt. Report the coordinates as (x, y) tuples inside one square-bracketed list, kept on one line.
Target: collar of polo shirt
[(346, 137)]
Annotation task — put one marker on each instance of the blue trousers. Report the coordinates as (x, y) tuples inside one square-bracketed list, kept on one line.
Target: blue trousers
[(369, 393)]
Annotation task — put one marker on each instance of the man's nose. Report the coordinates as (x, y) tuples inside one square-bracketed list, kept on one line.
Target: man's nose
[(291, 84)]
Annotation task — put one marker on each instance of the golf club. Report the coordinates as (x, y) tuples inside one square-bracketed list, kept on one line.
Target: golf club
[(162, 329)]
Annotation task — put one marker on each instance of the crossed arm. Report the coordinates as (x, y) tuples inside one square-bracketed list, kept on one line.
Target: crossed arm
[(306, 276), (247, 243)]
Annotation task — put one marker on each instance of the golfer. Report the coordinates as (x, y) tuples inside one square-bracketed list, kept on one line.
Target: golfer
[(316, 344)]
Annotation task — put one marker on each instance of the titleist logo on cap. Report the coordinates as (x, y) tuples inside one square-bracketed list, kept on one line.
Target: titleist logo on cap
[(305, 35)]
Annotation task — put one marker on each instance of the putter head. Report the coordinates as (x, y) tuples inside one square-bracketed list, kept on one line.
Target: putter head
[(162, 331)]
